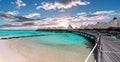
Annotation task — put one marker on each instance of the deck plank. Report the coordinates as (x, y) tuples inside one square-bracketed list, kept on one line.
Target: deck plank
[(110, 51)]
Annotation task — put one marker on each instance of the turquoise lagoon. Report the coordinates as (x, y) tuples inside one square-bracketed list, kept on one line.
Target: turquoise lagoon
[(52, 47), (48, 38)]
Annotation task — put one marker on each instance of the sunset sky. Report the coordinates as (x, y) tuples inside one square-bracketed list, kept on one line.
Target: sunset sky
[(75, 12)]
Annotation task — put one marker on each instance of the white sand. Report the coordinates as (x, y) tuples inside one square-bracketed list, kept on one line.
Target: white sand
[(9, 55), (21, 50)]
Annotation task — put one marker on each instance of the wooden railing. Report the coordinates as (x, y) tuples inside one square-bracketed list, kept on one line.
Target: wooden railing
[(96, 49)]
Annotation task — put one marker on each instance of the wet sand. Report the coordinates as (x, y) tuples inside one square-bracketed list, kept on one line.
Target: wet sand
[(22, 50)]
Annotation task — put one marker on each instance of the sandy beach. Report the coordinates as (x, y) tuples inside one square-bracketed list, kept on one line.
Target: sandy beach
[(22, 50), (7, 54)]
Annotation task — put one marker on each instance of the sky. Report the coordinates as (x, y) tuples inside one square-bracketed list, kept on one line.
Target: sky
[(64, 12)]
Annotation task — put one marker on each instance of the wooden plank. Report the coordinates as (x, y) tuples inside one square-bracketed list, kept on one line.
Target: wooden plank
[(110, 50)]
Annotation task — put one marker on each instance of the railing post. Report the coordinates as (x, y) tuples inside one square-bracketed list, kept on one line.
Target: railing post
[(99, 49)]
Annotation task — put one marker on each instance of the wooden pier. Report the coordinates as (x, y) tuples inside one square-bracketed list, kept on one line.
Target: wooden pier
[(109, 50), (106, 49)]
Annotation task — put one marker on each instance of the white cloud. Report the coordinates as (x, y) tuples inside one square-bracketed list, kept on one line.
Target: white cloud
[(78, 25), (104, 12), (82, 13), (99, 15), (61, 5), (32, 15), (81, 19), (20, 3), (12, 13)]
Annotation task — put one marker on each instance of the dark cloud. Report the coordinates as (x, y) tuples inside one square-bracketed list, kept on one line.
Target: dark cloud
[(8, 25), (90, 15), (28, 24), (13, 18), (65, 2), (17, 25), (61, 4)]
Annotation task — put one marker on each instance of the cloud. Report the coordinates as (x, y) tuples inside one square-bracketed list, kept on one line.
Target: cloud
[(82, 13), (12, 16), (104, 12), (9, 16), (98, 15), (20, 28), (78, 25), (28, 24), (32, 15), (20, 3), (81, 19), (64, 4), (11, 13)]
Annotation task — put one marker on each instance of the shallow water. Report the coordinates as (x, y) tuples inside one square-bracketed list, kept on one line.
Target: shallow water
[(54, 47), (113, 36)]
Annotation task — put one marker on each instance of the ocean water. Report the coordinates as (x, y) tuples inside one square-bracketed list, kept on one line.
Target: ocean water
[(52, 47), (48, 38), (17, 33)]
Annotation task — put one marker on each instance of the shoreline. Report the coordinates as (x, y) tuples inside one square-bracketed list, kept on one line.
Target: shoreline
[(27, 51)]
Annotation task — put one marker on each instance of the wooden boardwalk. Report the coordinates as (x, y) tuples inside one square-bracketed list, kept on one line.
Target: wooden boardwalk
[(109, 50)]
